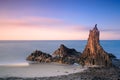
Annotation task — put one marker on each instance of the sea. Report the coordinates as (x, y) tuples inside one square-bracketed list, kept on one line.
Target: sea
[(16, 51)]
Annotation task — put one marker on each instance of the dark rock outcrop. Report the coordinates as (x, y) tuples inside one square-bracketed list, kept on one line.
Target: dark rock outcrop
[(62, 55), (93, 53), (39, 56), (66, 55), (112, 56), (116, 62)]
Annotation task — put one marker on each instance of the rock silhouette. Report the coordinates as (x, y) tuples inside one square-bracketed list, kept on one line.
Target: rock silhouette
[(39, 56), (66, 55), (93, 53)]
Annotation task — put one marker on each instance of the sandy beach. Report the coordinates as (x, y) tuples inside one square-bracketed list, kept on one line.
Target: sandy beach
[(39, 70), (93, 73)]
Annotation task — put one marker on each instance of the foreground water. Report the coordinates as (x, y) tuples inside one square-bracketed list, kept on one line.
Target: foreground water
[(39, 70), (15, 52)]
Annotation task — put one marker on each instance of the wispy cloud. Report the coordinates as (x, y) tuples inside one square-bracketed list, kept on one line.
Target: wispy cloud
[(41, 22), (114, 33), (39, 29), (30, 21), (80, 28), (109, 30), (42, 28)]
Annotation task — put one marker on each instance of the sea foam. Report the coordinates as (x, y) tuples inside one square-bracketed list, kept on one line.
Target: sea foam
[(15, 64)]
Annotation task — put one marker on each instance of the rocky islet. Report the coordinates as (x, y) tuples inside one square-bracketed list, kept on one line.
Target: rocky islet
[(62, 55), (93, 53)]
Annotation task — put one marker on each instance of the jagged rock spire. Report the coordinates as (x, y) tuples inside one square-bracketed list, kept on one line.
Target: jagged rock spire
[(93, 53), (95, 28), (93, 40)]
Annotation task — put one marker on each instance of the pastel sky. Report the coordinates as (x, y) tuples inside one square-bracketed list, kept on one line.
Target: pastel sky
[(58, 19)]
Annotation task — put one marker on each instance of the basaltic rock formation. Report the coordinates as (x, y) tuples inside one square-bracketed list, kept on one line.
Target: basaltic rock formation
[(93, 53), (65, 55), (39, 56)]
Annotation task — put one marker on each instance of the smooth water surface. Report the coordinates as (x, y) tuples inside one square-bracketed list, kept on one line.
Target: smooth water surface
[(16, 51)]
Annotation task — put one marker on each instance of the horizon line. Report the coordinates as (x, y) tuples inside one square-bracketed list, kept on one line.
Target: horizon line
[(56, 40)]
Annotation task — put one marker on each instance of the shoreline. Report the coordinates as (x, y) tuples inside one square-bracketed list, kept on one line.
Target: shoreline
[(93, 73), (40, 70)]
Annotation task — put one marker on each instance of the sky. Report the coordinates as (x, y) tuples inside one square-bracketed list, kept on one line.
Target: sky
[(58, 19)]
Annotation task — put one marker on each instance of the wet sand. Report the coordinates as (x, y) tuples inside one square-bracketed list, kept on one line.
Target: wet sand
[(54, 71), (88, 74), (39, 70)]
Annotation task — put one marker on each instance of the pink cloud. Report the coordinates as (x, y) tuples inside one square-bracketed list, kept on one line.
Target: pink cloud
[(30, 21), (80, 28), (12, 29), (39, 28)]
